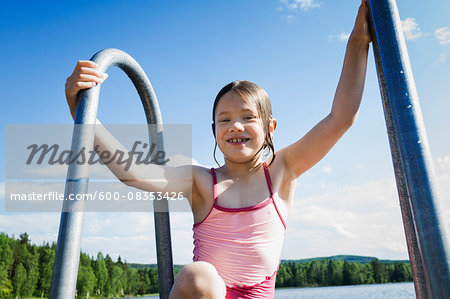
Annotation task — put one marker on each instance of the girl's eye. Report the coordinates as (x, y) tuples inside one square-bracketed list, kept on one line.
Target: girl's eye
[(223, 120), (250, 117)]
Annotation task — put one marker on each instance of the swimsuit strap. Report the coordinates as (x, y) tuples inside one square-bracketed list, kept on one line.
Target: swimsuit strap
[(214, 177), (269, 182)]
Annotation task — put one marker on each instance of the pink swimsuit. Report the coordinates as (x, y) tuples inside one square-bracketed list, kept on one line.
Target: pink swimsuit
[(243, 244)]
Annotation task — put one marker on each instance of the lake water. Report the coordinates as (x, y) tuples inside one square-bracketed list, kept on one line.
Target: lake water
[(368, 291), (371, 291)]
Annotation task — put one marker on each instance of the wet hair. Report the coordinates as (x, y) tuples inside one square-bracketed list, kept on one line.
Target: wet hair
[(252, 94)]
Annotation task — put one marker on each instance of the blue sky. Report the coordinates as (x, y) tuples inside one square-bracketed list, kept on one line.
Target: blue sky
[(294, 49)]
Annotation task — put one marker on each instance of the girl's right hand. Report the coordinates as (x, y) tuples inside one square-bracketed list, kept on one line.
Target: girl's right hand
[(85, 75), (361, 28)]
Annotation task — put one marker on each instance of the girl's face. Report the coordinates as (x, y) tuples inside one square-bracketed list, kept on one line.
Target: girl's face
[(239, 129)]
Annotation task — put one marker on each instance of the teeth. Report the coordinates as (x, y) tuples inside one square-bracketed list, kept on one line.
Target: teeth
[(237, 140)]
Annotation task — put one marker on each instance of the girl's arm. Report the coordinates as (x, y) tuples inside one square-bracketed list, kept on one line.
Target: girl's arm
[(149, 177), (310, 149)]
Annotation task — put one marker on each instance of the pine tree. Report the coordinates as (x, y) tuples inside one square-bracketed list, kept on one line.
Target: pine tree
[(379, 272), (6, 263), (101, 272), (46, 260), (19, 280), (86, 278)]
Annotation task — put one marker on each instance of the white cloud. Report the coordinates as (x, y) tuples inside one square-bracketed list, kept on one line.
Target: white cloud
[(295, 5), (289, 17), (344, 232), (341, 37), (130, 235), (442, 59), (359, 166), (411, 29), (360, 219), (443, 163), (326, 169), (40, 227), (443, 35)]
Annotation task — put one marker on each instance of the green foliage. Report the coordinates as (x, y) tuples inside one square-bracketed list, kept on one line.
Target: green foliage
[(6, 263), (102, 287), (26, 271), (86, 279), (335, 272), (46, 258), (19, 280)]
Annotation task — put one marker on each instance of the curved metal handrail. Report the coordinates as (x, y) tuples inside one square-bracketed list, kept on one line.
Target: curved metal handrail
[(67, 255)]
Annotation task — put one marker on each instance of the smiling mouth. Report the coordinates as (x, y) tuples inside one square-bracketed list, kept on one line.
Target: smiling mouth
[(238, 140)]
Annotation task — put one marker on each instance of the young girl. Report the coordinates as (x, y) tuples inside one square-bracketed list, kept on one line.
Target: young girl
[(240, 208)]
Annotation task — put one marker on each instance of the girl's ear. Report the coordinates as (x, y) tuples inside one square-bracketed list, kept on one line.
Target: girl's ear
[(272, 125), (213, 126)]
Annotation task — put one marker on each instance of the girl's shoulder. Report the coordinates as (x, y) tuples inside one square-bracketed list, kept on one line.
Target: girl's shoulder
[(276, 164), (280, 167), (201, 179), (200, 172), (282, 179), (202, 192)]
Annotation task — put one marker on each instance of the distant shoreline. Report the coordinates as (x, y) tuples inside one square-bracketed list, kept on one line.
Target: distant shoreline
[(26, 271)]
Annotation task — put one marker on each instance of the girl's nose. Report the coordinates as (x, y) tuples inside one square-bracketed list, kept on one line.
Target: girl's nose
[(237, 126)]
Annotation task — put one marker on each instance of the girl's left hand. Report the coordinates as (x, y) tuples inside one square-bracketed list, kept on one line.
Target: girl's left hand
[(361, 28)]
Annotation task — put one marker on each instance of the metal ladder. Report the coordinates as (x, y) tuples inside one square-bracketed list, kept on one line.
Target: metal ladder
[(424, 229), (427, 245), (67, 255)]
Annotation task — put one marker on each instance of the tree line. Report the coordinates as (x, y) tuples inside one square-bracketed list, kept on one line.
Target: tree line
[(26, 271), (337, 272)]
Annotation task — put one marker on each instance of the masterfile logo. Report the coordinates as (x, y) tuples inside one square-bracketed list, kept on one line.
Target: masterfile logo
[(47, 165)]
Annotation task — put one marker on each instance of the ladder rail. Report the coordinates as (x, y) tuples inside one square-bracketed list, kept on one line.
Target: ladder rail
[(419, 203), (67, 255)]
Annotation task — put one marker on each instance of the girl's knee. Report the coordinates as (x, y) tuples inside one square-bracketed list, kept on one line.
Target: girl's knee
[(197, 280), (201, 275)]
